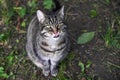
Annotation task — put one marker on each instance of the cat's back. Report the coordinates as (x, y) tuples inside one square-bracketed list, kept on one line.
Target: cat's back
[(33, 26), (31, 34)]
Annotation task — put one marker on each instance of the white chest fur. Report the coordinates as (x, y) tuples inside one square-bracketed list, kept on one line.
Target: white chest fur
[(53, 43)]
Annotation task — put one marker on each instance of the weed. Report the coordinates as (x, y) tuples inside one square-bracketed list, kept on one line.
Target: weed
[(84, 67), (10, 58), (7, 11), (93, 13), (32, 3), (23, 24), (61, 73), (33, 6), (21, 11), (9, 62), (107, 1), (2, 73), (48, 4), (112, 37), (4, 38)]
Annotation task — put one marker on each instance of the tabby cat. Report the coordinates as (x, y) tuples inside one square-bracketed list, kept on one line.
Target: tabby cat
[(47, 41)]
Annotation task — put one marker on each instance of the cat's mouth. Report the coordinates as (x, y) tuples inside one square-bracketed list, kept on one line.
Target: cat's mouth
[(56, 35)]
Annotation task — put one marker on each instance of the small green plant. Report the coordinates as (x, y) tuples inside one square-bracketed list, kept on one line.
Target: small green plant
[(4, 38), (21, 11), (2, 73), (85, 37), (48, 4), (32, 3), (84, 67), (112, 37), (10, 58), (107, 1), (93, 13), (61, 75), (7, 11), (33, 6)]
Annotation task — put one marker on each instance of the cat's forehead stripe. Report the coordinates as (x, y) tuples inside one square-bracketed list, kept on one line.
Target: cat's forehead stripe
[(53, 20)]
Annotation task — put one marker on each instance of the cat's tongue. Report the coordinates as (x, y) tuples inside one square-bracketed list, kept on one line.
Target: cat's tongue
[(56, 35)]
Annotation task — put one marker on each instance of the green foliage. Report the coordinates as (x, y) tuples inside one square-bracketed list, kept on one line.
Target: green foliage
[(21, 11), (10, 11), (10, 58), (33, 6), (93, 13), (23, 24), (4, 37), (7, 64), (88, 64), (85, 37), (48, 4), (6, 11), (107, 1), (82, 66), (83, 69), (112, 37), (60, 75), (2, 73), (32, 3)]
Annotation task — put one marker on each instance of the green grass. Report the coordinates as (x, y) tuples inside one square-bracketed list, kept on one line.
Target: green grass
[(84, 67), (6, 65), (112, 35), (48, 4)]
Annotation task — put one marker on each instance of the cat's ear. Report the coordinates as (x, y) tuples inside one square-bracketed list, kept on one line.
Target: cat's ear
[(40, 16), (61, 12)]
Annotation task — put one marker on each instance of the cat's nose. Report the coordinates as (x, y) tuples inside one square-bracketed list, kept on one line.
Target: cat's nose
[(55, 31)]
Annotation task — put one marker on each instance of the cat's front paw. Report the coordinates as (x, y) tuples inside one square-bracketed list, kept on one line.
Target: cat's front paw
[(46, 73), (54, 72)]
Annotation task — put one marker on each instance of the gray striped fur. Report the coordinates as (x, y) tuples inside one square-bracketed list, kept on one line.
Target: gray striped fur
[(47, 41)]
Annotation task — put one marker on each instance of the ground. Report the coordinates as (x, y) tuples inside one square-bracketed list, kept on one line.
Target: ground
[(103, 60)]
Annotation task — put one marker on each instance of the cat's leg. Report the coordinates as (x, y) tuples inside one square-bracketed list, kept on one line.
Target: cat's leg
[(53, 68), (46, 68)]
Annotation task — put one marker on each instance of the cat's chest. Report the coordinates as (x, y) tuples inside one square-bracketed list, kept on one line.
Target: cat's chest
[(53, 45)]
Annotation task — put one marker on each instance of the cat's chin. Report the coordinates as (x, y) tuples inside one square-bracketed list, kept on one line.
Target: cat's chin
[(53, 37), (56, 36)]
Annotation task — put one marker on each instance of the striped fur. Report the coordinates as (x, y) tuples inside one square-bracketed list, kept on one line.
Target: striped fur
[(47, 41)]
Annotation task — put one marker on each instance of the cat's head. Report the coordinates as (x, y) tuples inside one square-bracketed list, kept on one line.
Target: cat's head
[(52, 25)]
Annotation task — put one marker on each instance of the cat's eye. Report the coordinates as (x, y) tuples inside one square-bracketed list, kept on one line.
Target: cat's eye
[(48, 26)]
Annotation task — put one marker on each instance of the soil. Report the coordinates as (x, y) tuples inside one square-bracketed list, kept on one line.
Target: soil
[(77, 17)]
